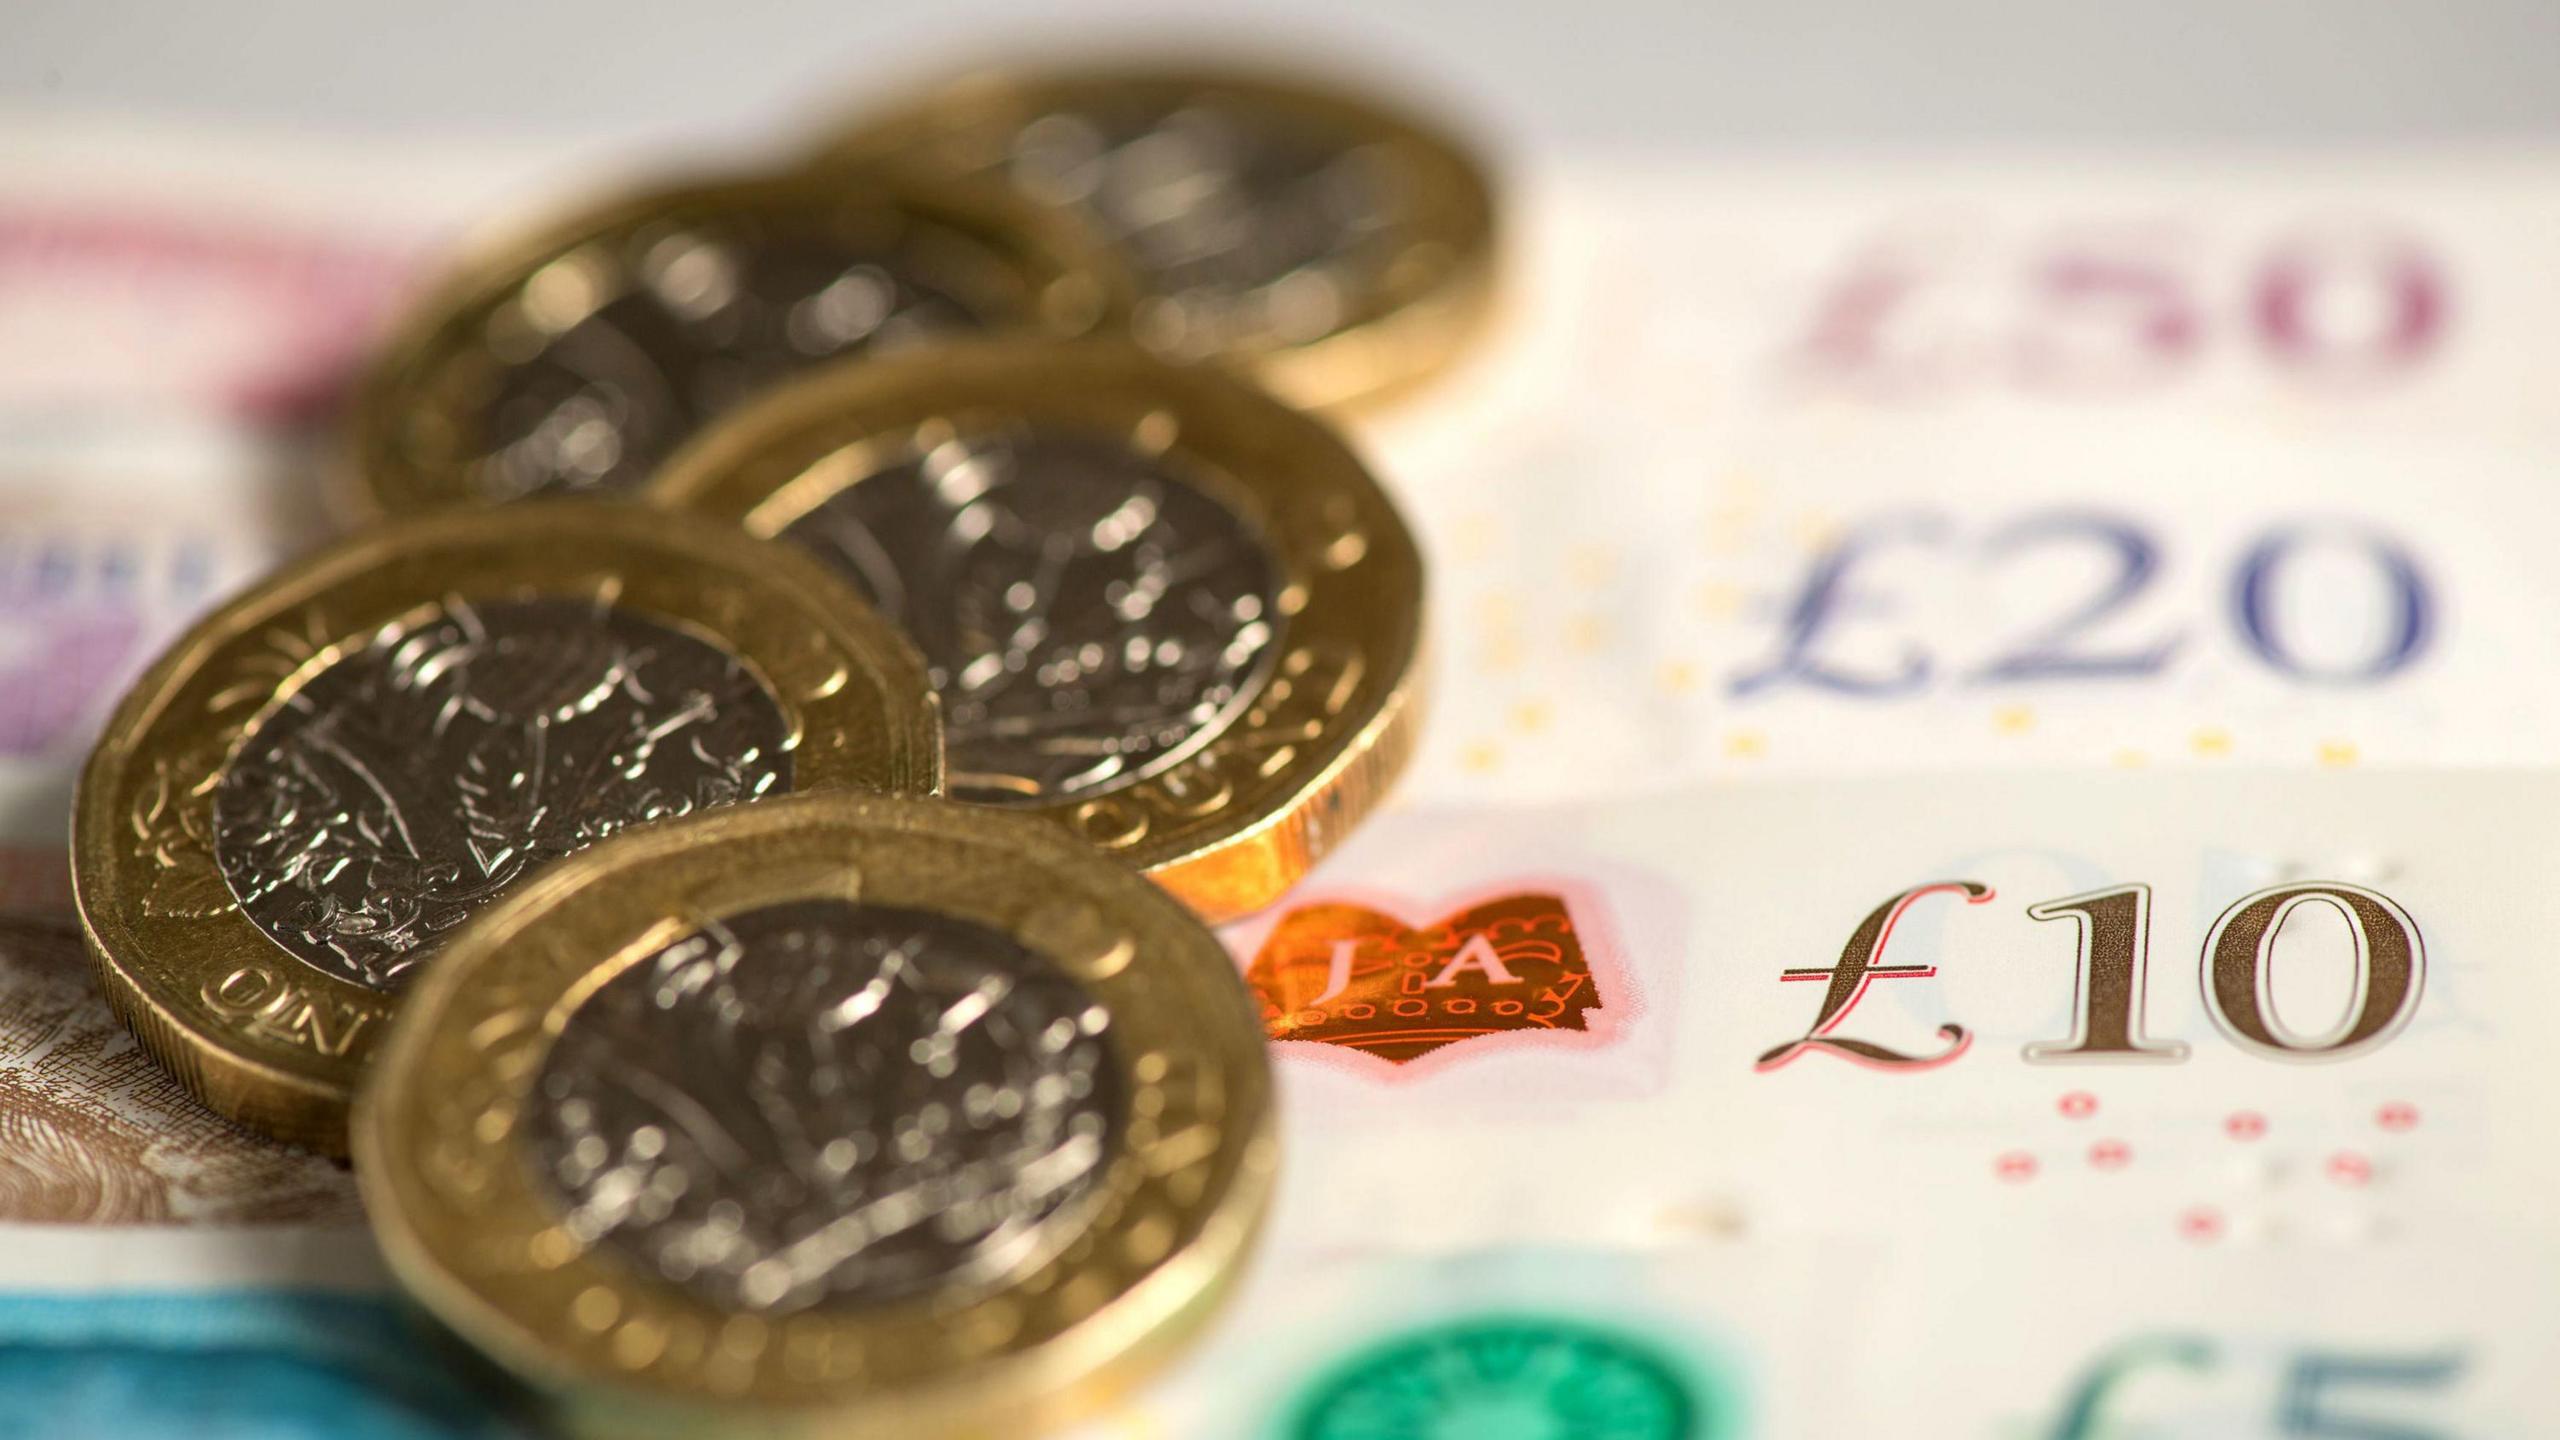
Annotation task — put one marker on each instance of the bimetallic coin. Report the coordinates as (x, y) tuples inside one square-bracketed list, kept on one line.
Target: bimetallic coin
[(1335, 247), (298, 803), (573, 359), (836, 1114), (1161, 608)]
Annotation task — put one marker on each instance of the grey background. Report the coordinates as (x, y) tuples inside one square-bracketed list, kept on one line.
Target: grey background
[(1572, 74)]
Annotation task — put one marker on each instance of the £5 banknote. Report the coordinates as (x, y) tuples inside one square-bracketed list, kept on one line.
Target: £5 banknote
[(1714, 1341)]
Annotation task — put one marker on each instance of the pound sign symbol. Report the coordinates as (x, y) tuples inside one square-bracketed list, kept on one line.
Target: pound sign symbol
[(1858, 968)]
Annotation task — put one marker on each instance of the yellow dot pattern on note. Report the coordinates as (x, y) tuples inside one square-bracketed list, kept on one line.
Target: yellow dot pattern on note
[(1719, 600), (1590, 566), (1589, 651)]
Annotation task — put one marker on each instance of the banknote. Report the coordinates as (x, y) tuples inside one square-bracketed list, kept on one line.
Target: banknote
[(1980, 1105), (93, 1133), (267, 1330), (101, 566), (2074, 1341), (265, 1362), (171, 1273), (2237, 1008), (1715, 1340), (1367, 1344)]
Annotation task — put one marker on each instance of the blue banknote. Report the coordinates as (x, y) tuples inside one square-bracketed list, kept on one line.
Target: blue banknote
[(237, 1364)]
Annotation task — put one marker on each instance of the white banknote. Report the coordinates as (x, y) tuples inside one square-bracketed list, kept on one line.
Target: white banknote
[(2250, 1005), (2024, 1341), (1975, 1105)]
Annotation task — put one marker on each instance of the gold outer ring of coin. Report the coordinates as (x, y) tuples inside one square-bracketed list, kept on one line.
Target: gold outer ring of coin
[(1141, 1259), (1433, 298), (406, 439), (277, 1044), (1241, 818)]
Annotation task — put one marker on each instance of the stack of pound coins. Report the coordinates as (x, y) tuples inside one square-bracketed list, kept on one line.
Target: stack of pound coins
[(737, 824)]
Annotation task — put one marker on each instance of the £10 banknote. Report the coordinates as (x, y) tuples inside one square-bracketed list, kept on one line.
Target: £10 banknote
[(2059, 1106), (2227, 1008)]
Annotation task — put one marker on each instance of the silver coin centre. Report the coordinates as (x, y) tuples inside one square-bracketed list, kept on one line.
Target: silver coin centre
[(414, 779), (1090, 617), (827, 1104), (1238, 226), (707, 318)]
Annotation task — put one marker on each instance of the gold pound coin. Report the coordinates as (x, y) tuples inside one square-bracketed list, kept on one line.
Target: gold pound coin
[(1162, 609), (302, 797), (836, 1115), (571, 359), (1337, 248)]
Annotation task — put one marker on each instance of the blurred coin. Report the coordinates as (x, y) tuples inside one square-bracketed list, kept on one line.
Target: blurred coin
[(572, 359), (835, 1115), (1161, 608), (311, 788), (1335, 246)]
